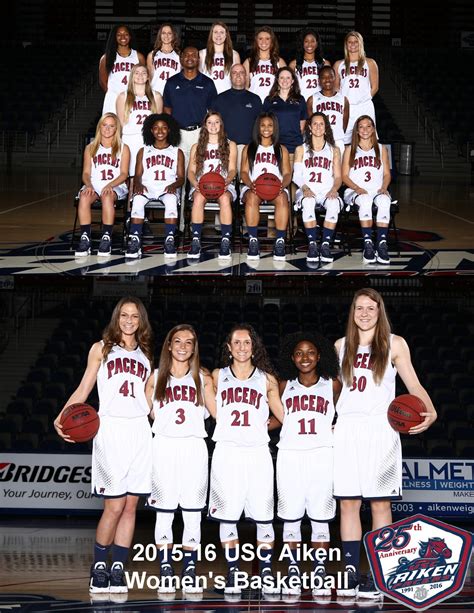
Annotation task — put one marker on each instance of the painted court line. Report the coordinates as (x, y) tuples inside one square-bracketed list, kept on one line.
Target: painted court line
[(22, 206), (435, 208)]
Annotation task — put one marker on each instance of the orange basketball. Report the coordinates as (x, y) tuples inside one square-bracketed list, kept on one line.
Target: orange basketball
[(80, 421), (267, 186), (212, 185), (404, 412)]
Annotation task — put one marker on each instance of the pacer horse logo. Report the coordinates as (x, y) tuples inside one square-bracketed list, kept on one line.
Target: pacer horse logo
[(419, 561)]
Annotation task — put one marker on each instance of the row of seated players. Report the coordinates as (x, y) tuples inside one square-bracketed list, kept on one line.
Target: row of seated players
[(317, 173)]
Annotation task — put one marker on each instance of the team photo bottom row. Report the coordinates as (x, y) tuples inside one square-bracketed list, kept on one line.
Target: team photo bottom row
[(304, 184), (335, 443)]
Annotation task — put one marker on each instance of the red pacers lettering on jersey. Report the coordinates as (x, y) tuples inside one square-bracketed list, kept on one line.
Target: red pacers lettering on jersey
[(159, 160), (122, 67), (363, 360), (180, 393), (307, 402), (141, 105), (127, 365), (212, 154), (324, 107), (306, 70), (367, 160), (354, 70), (318, 161), (242, 395), (106, 159), (165, 62), (218, 61), (266, 158), (268, 69)]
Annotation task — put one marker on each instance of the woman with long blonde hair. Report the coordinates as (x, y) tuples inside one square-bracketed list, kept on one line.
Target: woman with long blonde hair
[(120, 364), (183, 397), (104, 172), (213, 152), (219, 56), (367, 451), (133, 107), (357, 78)]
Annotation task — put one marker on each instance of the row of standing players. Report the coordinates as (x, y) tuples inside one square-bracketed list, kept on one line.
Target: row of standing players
[(315, 169), (318, 462)]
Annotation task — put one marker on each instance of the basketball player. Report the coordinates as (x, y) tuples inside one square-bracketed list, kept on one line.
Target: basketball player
[(242, 468), (212, 153), (317, 173), (120, 364), (357, 78), (265, 154), (332, 103), (305, 456), (182, 396), (366, 173), (133, 107), (308, 63), (159, 175), (367, 451), (104, 172), (116, 63), (219, 56), (263, 62), (163, 61)]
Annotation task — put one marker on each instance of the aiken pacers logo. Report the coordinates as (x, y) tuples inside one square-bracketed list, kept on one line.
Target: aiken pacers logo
[(419, 561)]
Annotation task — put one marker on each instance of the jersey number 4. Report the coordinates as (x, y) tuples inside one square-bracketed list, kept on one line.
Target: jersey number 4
[(127, 389)]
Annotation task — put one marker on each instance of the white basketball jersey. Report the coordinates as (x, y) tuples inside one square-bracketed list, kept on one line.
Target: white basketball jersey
[(180, 415), (104, 168), (160, 168), (121, 383), (354, 86), (333, 108), (165, 65), (262, 79), (309, 413), (242, 409), (140, 110), (367, 171), (265, 161), (363, 397), (318, 169), (212, 160), (118, 76), (308, 79), (218, 72)]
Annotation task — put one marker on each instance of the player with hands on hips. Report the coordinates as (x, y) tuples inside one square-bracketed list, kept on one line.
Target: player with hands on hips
[(217, 59), (163, 60), (120, 364), (116, 63), (317, 173), (366, 173), (265, 154), (357, 78), (308, 62), (213, 152), (242, 467), (367, 451), (309, 390), (263, 62), (159, 175), (183, 397), (104, 172)]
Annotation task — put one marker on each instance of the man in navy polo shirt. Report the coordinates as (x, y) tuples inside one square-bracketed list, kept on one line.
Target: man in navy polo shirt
[(239, 109), (188, 96)]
